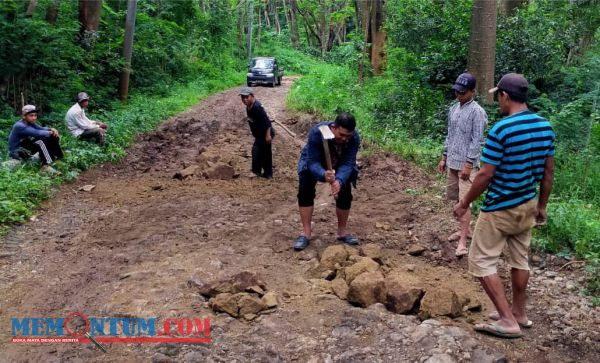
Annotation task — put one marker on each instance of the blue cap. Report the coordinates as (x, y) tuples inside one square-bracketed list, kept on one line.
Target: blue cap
[(465, 82)]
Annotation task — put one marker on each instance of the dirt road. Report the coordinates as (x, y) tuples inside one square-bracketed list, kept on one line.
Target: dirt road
[(129, 247)]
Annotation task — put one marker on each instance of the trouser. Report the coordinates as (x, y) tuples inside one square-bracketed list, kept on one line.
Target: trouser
[(262, 158), (47, 147), (307, 192), (97, 135)]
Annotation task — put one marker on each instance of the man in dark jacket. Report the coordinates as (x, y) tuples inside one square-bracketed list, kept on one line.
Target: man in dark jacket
[(27, 138), (311, 168), (260, 126)]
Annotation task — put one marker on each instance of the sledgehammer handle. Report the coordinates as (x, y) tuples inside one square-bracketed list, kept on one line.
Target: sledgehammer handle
[(327, 154)]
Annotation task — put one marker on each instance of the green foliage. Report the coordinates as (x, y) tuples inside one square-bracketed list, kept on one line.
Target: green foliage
[(573, 225)]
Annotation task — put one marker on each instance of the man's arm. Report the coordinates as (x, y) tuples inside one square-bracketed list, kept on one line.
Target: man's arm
[(81, 121), (479, 122), (444, 157), (314, 150), (545, 190), (348, 160), (34, 130), (480, 184)]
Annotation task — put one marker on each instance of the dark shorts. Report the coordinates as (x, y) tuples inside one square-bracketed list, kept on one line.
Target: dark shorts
[(307, 192)]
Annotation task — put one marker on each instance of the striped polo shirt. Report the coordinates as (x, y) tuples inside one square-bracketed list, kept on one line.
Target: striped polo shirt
[(518, 145)]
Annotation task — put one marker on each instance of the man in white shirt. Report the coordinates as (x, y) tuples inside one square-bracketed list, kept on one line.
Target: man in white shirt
[(82, 127)]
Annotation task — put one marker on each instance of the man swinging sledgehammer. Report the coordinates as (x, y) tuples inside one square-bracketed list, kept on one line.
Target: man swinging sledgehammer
[(312, 167)]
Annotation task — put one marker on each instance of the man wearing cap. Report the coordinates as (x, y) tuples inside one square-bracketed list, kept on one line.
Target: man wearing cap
[(518, 155), (312, 169), (462, 149), (27, 138), (260, 126), (82, 127)]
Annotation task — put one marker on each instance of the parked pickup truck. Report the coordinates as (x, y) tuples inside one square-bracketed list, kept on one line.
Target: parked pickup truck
[(264, 70)]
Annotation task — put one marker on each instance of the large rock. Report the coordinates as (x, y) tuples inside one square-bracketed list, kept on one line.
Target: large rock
[(416, 250), (399, 299), (372, 251), (340, 288), (219, 170), (186, 173), (210, 289), (367, 289), (440, 302), (249, 304), (226, 303), (364, 264), (270, 299), (332, 255), (245, 280)]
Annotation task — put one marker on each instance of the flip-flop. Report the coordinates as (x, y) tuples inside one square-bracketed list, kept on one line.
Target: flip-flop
[(495, 316), (461, 252), (348, 239), (497, 331), (301, 242)]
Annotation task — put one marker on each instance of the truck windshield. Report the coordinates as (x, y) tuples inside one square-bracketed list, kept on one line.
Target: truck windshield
[(262, 63)]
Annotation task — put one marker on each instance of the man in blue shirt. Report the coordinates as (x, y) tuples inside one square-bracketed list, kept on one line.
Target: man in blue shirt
[(518, 155), (27, 138), (343, 149)]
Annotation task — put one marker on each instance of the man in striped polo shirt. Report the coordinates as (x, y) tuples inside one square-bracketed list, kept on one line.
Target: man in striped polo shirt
[(518, 155), (462, 150)]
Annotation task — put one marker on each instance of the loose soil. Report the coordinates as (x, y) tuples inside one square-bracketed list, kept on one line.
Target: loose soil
[(128, 248)]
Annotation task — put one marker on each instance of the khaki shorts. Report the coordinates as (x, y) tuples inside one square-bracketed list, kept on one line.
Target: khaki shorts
[(457, 188), (509, 228)]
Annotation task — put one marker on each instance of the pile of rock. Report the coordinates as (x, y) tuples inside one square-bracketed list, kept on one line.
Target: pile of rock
[(243, 295), (360, 277)]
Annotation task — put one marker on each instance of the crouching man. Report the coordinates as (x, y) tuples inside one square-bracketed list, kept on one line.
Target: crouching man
[(311, 169), (27, 138)]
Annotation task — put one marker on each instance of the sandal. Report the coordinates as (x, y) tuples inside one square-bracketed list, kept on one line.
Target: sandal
[(526, 325), (348, 239), (301, 242), (497, 331), (461, 252)]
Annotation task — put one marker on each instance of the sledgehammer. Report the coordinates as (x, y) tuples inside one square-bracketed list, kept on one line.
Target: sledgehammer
[(327, 135)]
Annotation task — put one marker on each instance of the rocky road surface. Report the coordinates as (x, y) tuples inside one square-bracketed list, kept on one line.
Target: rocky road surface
[(181, 210)]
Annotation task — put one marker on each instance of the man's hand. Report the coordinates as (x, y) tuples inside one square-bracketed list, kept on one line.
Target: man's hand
[(102, 125), (459, 210), (442, 165), (329, 176), (54, 132), (335, 188), (541, 216), (465, 173), (268, 139)]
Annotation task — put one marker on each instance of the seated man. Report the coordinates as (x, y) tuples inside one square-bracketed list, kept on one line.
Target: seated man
[(27, 138), (343, 149), (82, 127)]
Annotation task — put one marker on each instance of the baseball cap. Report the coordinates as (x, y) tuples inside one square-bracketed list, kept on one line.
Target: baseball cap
[(246, 91), (82, 96), (513, 83), (27, 109), (464, 82)]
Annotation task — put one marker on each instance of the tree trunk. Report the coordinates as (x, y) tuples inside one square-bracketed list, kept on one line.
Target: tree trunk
[(507, 7), (52, 12), (276, 18), (323, 26), (364, 13), (377, 36), (89, 18), (127, 50), (294, 35), (482, 46), (31, 8)]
